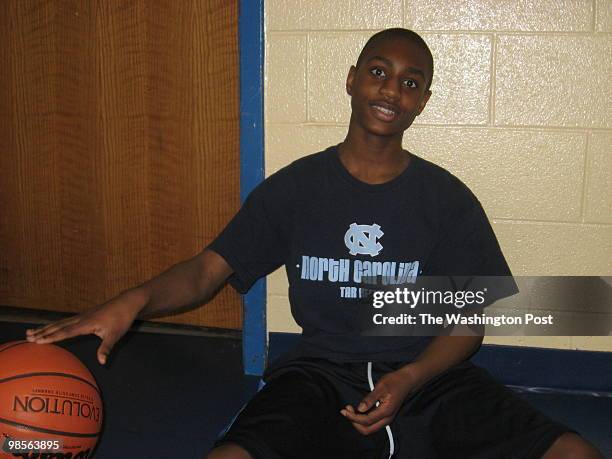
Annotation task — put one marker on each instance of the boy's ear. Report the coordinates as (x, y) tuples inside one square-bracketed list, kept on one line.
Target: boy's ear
[(426, 97), (349, 80)]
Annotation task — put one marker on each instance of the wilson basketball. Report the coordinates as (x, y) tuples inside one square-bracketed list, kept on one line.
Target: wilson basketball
[(49, 402)]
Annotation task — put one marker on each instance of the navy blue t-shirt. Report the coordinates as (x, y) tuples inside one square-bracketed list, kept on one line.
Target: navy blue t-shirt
[(332, 232)]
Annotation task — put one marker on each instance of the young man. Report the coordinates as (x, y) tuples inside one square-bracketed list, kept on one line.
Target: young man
[(325, 217)]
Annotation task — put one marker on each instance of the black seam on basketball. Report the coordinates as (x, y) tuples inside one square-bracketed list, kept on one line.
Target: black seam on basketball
[(18, 343), (49, 431), (50, 373)]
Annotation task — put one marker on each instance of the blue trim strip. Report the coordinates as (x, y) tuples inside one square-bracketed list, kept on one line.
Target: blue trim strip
[(251, 36)]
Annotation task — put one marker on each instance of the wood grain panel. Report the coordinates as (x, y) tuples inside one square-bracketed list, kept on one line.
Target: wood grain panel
[(118, 146)]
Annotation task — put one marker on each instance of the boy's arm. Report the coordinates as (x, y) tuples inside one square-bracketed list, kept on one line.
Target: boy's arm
[(442, 353), (181, 287), (184, 286), (390, 391)]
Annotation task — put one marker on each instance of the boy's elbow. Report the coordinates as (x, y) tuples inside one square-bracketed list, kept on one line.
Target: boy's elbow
[(213, 272)]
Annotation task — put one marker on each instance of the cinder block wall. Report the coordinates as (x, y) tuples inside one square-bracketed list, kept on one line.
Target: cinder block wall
[(521, 111)]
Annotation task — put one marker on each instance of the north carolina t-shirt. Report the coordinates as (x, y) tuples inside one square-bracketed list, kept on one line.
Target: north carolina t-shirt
[(331, 231)]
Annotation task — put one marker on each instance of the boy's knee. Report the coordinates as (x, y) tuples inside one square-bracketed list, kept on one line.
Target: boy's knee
[(229, 451), (572, 446)]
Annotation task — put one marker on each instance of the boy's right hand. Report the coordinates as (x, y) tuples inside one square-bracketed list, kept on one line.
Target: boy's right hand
[(109, 321)]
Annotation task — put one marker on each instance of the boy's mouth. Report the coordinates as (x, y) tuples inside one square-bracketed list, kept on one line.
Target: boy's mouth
[(384, 111)]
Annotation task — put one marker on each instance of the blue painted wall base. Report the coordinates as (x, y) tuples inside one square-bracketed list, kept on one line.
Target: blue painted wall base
[(521, 366)]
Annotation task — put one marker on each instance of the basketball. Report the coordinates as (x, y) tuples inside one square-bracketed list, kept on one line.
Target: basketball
[(49, 403)]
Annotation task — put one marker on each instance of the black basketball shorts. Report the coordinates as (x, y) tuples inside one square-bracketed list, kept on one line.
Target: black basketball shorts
[(461, 413)]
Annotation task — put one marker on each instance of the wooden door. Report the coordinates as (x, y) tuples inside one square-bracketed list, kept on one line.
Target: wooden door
[(119, 146)]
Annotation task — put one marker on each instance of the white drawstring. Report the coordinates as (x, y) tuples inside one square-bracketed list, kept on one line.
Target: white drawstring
[(388, 428)]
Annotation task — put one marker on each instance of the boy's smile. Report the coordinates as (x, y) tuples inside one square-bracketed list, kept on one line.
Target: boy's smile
[(389, 88)]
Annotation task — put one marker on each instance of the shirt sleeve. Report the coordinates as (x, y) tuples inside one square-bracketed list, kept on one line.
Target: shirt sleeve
[(254, 243), (468, 253)]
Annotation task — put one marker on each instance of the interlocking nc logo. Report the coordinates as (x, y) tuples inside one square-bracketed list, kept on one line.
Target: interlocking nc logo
[(362, 239)]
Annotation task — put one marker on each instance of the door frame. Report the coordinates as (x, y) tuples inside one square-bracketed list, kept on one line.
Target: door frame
[(252, 167)]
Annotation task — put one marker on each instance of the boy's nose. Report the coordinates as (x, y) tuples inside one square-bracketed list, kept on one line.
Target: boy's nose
[(390, 88)]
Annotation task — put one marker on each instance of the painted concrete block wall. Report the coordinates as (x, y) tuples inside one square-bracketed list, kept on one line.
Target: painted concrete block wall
[(521, 111)]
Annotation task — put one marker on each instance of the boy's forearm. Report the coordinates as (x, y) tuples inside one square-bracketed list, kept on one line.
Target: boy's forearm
[(442, 353), (182, 286)]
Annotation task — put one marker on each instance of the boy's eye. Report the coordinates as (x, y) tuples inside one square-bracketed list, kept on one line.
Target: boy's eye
[(378, 72), (410, 83)]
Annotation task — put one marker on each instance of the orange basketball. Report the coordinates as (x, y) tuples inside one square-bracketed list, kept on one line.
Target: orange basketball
[(47, 395)]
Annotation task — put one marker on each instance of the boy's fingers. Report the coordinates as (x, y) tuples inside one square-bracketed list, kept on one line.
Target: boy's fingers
[(105, 349), (349, 412), (55, 335), (365, 419), (70, 327), (62, 332), (368, 401), (44, 334), (367, 424), (367, 430), (33, 333)]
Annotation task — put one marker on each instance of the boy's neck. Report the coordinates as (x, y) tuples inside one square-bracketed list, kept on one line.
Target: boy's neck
[(373, 159)]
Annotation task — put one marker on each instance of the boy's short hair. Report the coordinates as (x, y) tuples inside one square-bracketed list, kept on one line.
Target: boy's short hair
[(398, 32)]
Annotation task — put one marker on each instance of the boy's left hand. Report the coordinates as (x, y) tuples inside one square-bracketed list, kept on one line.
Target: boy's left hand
[(390, 391)]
